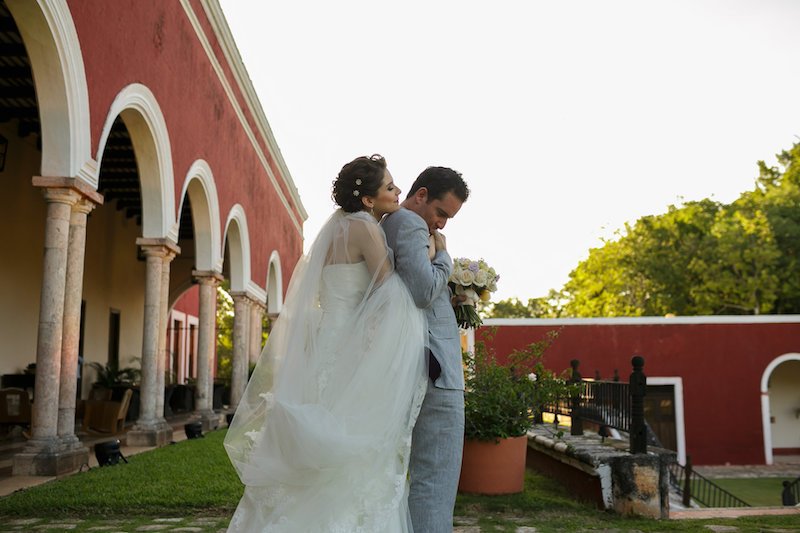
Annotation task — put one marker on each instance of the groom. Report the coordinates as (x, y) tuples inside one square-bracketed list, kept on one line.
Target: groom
[(435, 197)]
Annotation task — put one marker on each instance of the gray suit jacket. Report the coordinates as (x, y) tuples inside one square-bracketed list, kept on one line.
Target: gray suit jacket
[(407, 235)]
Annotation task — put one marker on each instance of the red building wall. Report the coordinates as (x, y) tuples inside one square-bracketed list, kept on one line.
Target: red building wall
[(721, 366), (154, 43)]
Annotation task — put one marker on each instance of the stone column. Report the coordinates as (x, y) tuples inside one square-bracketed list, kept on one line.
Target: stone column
[(241, 323), (41, 455), (151, 429), (206, 343), (68, 392), (256, 317), (161, 371)]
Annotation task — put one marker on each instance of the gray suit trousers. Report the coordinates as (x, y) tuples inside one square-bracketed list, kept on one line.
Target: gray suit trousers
[(437, 445)]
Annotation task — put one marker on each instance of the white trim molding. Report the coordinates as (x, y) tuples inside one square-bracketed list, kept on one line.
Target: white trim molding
[(238, 239), (645, 320), (139, 109), (201, 188), (54, 50), (274, 284), (766, 424), (217, 21)]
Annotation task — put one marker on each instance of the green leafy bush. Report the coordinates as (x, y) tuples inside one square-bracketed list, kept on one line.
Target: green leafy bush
[(503, 400)]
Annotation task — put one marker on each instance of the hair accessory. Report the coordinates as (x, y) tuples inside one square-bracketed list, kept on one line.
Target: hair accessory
[(358, 181), (355, 192)]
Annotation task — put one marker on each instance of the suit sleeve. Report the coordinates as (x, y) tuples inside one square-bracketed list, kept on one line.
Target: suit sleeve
[(423, 277)]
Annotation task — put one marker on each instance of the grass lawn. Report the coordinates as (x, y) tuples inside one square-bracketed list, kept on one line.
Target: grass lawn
[(758, 492), (191, 484)]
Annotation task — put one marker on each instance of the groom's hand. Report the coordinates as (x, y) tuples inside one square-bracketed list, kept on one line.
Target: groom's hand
[(457, 299), (439, 241)]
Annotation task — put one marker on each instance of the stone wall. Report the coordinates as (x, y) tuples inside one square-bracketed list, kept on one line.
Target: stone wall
[(604, 472)]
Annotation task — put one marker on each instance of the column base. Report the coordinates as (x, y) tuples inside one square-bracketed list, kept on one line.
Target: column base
[(210, 419), (156, 436), (49, 461)]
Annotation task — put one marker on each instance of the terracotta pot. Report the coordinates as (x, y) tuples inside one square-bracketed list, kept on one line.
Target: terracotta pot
[(493, 468)]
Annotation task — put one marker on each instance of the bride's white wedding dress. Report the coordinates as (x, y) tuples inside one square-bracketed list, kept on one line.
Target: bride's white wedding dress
[(322, 436)]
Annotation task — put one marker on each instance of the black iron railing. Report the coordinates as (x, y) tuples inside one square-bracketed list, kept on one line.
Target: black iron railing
[(692, 486), (608, 404)]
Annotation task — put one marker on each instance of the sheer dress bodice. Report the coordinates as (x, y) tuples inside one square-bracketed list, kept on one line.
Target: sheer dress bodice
[(343, 287)]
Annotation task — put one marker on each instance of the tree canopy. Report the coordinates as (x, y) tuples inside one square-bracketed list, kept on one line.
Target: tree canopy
[(699, 258)]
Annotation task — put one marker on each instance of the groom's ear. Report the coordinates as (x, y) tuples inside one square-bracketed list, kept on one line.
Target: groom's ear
[(421, 195)]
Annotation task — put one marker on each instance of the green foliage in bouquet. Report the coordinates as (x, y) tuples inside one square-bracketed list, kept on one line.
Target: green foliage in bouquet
[(467, 316), (503, 400)]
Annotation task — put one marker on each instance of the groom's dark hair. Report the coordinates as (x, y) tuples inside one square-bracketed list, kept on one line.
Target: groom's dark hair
[(440, 181)]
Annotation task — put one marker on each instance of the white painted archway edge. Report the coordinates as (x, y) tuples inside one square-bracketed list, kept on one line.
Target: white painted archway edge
[(274, 284), (765, 416), (150, 140), (52, 44), (206, 215)]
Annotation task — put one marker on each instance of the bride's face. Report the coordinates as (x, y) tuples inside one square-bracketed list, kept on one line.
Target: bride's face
[(387, 198)]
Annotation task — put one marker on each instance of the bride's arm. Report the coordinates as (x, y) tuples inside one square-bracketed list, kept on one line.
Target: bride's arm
[(371, 243)]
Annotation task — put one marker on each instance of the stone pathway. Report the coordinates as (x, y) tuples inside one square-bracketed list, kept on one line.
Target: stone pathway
[(219, 525), (167, 525)]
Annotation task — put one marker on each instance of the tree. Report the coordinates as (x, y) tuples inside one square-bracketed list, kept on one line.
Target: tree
[(224, 320), (549, 306), (701, 257)]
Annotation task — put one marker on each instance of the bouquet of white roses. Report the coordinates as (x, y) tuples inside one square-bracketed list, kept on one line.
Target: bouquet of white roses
[(475, 281)]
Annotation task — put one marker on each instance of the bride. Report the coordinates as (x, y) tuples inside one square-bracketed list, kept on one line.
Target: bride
[(322, 436)]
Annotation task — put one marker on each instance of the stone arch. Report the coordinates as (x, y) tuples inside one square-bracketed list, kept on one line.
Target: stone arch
[(765, 403), (238, 240), (55, 55), (202, 191), (142, 115), (274, 284)]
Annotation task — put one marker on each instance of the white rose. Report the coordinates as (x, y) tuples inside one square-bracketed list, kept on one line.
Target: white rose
[(481, 278), (466, 278)]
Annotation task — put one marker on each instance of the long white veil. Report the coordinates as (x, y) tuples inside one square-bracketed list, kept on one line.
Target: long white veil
[(322, 433)]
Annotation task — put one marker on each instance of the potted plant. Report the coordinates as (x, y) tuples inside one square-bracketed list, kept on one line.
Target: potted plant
[(501, 402), (110, 375)]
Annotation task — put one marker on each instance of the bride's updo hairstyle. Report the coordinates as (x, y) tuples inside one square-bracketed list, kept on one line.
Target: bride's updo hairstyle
[(360, 177)]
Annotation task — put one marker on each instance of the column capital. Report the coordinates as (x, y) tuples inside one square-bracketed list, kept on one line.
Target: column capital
[(73, 184), (84, 206), (248, 297), (159, 247), (208, 276), (57, 195)]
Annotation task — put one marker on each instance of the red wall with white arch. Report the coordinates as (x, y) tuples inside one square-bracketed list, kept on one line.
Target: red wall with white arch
[(155, 44), (721, 366)]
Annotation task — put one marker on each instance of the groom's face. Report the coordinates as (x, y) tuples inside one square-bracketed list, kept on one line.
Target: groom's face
[(436, 213)]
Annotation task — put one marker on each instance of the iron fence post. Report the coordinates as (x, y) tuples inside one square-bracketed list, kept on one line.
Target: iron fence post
[(575, 401), (687, 482), (638, 386)]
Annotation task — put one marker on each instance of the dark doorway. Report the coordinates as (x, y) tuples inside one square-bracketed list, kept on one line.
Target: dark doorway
[(659, 411)]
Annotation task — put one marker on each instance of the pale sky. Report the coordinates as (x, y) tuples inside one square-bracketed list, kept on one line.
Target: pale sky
[(566, 118)]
